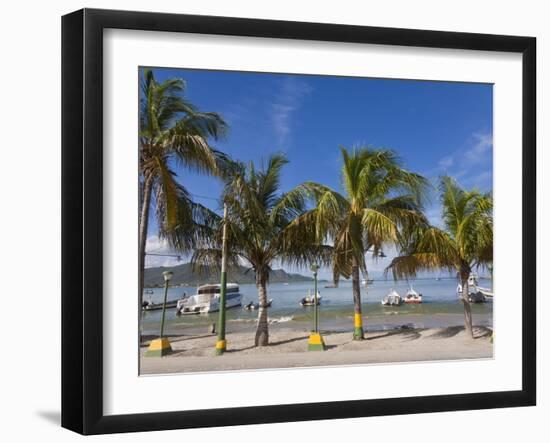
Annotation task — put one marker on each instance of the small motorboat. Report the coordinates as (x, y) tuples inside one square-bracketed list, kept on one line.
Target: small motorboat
[(392, 299), (487, 293), (367, 281), (477, 297), (309, 300), (413, 297), (476, 293), (253, 306), (148, 305)]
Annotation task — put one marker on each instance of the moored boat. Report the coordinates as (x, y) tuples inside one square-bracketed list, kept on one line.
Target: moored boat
[(476, 297), (207, 299), (486, 292), (150, 306), (392, 299), (476, 293), (413, 297), (309, 300), (253, 306)]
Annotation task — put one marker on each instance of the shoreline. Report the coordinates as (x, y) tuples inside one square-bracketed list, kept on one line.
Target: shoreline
[(371, 323), (194, 353)]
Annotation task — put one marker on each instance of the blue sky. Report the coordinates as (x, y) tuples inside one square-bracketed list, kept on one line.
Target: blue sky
[(435, 127)]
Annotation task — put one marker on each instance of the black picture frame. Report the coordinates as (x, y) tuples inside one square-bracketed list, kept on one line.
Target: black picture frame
[(82, 218)]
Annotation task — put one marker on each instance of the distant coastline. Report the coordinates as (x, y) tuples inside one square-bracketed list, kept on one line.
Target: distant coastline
[(186, 275)]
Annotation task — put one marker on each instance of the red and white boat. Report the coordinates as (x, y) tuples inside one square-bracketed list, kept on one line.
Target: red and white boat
[(413, 297)]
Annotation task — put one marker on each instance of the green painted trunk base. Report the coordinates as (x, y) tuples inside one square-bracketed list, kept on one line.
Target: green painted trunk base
[(358, 334), (316, 347), (315, 342), (159, 347), (221, 346), (158, 352)]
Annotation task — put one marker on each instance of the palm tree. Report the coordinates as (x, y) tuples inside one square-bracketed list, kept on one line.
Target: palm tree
[(260, 230), (465, 243), (381, 199), (172, 131)]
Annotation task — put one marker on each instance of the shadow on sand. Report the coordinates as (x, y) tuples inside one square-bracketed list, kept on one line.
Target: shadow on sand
[(406, 334), (146, 339), (451, 331)]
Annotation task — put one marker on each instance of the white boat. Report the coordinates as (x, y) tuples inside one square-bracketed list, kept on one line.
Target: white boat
[(413, 297), (148, 305), (367, 281), (207, 299), (253, 306), (309, 299), (392, 299), (476, 293), (485, 291), (477, 297)]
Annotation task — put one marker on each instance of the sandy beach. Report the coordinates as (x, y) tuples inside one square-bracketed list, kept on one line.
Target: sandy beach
[(288, 348)]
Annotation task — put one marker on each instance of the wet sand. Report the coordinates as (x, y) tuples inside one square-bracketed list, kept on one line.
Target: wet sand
[(288, 349)]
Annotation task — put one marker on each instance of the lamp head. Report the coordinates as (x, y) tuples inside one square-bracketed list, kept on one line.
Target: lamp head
[(167, 275), (314, 268)]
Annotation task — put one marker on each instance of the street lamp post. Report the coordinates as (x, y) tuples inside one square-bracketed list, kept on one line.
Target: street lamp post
[(161, 346), (315, 342), (221, 343), (314, 269)]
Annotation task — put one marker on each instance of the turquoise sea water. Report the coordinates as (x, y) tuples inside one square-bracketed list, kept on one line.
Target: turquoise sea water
[(440, 307)]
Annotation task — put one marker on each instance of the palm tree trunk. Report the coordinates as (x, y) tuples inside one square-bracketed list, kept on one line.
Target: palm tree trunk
[(358, 333), (262, 332), (466, 303), (143, 225)]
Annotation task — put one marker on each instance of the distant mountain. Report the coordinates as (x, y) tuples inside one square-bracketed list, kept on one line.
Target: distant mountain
[(184, 275)]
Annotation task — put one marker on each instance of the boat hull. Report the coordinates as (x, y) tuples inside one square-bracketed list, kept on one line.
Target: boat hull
[(310, 301), (156, 306), (193, 306)]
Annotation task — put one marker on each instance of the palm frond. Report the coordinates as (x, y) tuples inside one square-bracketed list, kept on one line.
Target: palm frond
[(269, 180), (408, 266), (380, 227)]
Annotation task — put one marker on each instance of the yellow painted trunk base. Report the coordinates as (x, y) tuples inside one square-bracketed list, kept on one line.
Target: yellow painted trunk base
[(220, 347), (358, 321), (358, 333), (159, 348), (315, 342)]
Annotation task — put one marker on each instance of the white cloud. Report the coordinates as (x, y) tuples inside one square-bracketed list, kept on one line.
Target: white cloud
[(289, 98), (156, 245), (472, 165), (483, 144), (446, 162), (476, 151)]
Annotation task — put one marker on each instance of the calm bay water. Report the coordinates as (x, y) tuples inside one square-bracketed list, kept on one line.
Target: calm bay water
[(440, 307)]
